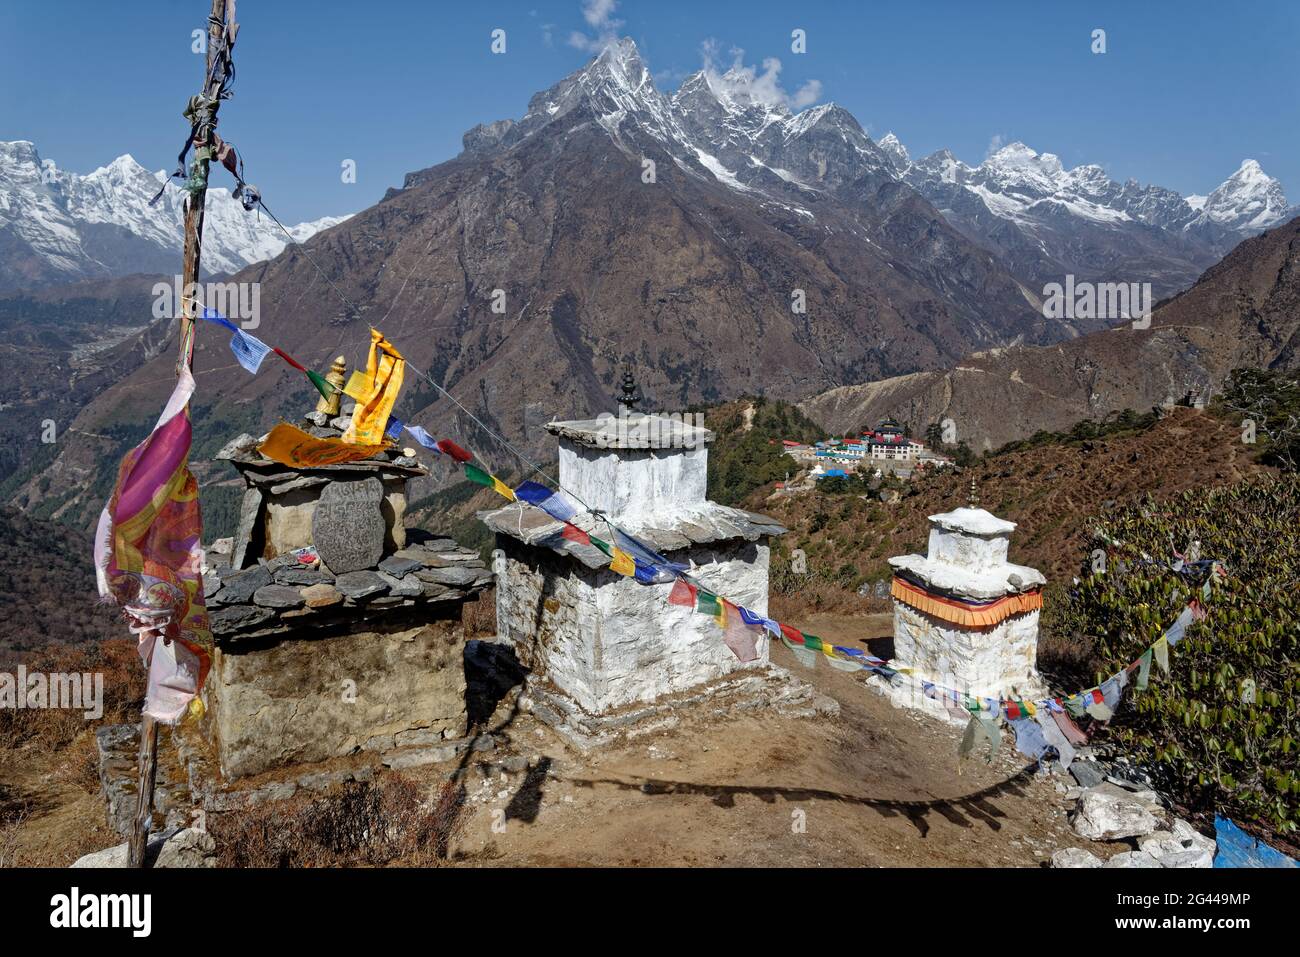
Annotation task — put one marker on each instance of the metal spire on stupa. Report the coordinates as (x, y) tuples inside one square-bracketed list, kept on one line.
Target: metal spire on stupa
[(631, 395), (974, 494)]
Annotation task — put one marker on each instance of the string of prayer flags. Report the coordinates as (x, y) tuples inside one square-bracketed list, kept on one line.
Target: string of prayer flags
[(148, 556), (380, 387), (249, 350), (290, 445)]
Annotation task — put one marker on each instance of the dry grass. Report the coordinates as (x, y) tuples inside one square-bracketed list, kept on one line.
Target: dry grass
[(390, 820), (49, 729), (11, 826), (480, 617)]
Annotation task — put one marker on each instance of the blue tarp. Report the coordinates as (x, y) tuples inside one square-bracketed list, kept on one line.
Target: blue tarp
[(1236, 848)]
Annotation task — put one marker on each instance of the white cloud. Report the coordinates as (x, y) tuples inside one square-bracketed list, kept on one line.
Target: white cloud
[(599, 15), (996, 143), (757, 84)]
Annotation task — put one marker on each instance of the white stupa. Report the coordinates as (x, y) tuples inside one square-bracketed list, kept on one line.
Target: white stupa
[(965, 618)]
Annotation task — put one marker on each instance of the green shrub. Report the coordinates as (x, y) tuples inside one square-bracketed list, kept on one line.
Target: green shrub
[(1222, 728)]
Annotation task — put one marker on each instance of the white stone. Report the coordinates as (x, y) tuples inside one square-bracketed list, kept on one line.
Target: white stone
[(1132, 859), (608, 641), (1075, 857), (1108, 817), (635, 484), (190, 847)]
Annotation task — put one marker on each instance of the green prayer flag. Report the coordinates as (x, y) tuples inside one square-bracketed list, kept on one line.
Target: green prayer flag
[(980, 729), (602, 545), (479, 477), (323, 387), (812, 642), (1144, 670), (706, 603), (801, 654), (1161, 653)]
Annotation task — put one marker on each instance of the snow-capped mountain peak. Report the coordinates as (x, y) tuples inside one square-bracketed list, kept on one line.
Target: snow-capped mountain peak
[(1248, 199), (65, 226), (893, 148)]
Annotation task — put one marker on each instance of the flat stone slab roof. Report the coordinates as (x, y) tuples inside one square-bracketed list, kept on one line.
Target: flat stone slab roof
[(1005, 579), (973, 521), (702, 525), (639, 431)]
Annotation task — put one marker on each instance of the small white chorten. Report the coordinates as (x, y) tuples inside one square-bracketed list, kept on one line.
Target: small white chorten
[(964, 617)]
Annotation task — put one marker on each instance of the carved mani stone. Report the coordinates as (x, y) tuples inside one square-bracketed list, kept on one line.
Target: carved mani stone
[(347, 526)]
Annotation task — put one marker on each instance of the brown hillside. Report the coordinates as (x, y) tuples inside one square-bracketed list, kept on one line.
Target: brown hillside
[(1243, 312)]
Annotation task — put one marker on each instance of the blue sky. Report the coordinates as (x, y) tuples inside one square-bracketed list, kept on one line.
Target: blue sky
[(1184, 92)]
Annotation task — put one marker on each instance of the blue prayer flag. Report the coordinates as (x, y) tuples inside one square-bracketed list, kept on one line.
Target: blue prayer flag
[(424, 438)]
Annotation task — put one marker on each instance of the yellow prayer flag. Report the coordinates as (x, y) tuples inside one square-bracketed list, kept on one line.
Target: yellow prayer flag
[(622, 562), (357, 387), (501, 488), (382, 382)]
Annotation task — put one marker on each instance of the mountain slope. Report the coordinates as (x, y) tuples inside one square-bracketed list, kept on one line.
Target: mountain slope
[(1245, 311), (59, 227)]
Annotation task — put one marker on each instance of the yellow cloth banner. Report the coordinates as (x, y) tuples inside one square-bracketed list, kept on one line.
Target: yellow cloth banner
[(623, 563), (383, 381), (291, 446), (501, 488)]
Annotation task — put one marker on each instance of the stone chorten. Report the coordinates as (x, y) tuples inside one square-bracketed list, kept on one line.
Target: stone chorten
[(336, 627), (598, 643), (965, 568)]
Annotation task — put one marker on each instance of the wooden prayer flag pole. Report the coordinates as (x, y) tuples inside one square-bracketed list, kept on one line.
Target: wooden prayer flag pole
[(197, 185)]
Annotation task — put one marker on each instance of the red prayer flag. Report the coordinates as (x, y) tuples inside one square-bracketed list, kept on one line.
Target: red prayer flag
[(683, 593), (574, 534), (449, 447), (289, 359), (794, 634)]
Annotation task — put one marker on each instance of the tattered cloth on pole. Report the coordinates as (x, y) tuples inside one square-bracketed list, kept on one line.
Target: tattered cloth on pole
[(148, 558), (375, 391)]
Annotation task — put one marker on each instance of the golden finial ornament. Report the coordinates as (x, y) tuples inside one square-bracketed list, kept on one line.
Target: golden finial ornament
[(336, 377), (974, 495)]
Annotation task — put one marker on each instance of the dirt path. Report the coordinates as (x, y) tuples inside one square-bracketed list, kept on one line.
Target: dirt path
[(874, 787)]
